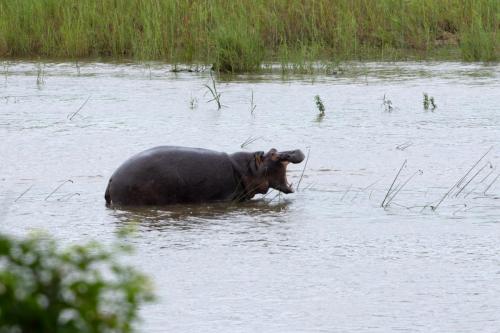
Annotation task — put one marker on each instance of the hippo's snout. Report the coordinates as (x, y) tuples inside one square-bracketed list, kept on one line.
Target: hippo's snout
[(293, 156)]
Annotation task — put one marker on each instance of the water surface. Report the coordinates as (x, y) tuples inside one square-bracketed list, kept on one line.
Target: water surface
[(327, 258)]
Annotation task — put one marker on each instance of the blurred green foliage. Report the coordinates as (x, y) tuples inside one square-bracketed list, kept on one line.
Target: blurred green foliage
[(82, 288)]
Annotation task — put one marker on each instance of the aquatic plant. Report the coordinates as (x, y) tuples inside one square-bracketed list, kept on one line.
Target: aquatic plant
[(40, 74), (239, 35), (57, 188), (82, 288), (253, 106), (426, 101), (491, 184), (319, 105), (250, 140), (459, 185), (385, 202), (213, 90), (77, 65), (433, 105), (193, 103), (404, 145), (429, 102), (79, 109), (387, 104), (5, 66), (304, 168)]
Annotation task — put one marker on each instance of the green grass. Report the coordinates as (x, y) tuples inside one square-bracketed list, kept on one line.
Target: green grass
[(239, 35)]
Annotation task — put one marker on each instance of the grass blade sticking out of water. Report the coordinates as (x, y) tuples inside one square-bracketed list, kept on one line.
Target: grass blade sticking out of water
[(253, 106), (250, 140), (383, 204), (493, 169), (304, 169), (491, 184), (57, 188), (404, 145), (215, 94), (79, 109), (22, 194), (488, 175), (460, 181), (473, 177), (419, 172), (40, 74), (193, 103), (68, 196)]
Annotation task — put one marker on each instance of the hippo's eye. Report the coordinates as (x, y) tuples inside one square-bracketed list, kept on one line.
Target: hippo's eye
[(274, 156)]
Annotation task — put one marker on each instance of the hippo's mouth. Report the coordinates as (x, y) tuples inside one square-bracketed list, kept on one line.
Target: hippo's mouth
[(285, 186)]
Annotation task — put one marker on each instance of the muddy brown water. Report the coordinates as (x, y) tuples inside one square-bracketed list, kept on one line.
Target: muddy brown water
[(327, 258)]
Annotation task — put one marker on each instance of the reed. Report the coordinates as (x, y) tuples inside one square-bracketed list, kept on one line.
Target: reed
[(319, 105), (250, 140), (213, 91), (193, 103), (491, 184), (253, 106), (304, 169), (22, 194), (78, 110), (460, 181), (40, 74), (240, 35), (391, 190), (429, 102), (387, 104), (57, 188), (426, 101)]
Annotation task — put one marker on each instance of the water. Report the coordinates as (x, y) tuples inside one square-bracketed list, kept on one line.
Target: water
[(325, 259)]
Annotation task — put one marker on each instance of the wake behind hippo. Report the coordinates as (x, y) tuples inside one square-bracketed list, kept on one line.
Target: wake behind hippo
[(169, 175)]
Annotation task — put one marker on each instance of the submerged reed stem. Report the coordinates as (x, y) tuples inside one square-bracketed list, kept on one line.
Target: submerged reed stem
[(384, 204), (215, 94), (304, 169)]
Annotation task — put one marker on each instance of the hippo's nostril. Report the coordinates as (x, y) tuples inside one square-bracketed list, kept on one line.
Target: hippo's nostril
[(296, 157)]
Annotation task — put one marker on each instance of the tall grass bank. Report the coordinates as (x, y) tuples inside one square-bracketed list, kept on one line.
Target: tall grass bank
[(239, 35)]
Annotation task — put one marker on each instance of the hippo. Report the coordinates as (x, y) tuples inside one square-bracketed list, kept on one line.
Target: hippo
[(174, 175)]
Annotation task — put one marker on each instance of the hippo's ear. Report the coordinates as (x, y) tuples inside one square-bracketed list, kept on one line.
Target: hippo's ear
[(273, 155), (259, 158)]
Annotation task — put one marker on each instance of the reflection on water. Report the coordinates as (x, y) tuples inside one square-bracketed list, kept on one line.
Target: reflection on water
[(185, 217), (326, 258)]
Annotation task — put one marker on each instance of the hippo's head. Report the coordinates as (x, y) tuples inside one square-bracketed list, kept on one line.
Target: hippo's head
[(268, 170)]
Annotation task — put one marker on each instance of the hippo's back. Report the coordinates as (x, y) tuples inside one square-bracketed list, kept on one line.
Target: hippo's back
[(168, 174)]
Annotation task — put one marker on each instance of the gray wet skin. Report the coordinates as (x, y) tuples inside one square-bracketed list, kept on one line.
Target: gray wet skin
[(170, 175)]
